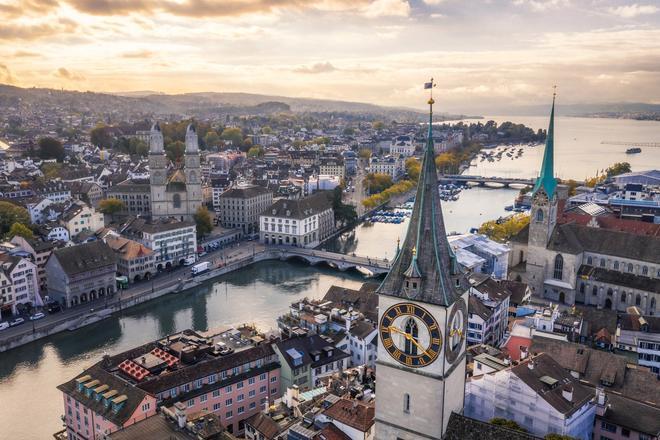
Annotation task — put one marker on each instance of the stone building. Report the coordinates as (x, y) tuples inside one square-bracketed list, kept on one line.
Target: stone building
[(136, 195), (78, 274), (134, 260), (240, 207), (585, 264), (175, 191)]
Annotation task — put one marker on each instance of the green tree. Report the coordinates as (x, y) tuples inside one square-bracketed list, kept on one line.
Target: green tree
[(212, 140), (101, 136), (20, 229), (10, 214), (51, 170), (345, 214), (51, 148), (111, 206), (233, 135), (349, 131), (378, 125), (365, 153), (203, 221), (555, 436), (255, 151), (321, 140), (175, 150), (266, 130), (507, 424), (138, 146), (618, 168)]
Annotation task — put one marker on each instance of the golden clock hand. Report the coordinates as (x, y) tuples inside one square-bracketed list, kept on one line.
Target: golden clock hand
[(409, 337)]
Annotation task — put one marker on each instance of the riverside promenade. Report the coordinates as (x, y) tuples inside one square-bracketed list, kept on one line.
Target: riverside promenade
[(178, 281)]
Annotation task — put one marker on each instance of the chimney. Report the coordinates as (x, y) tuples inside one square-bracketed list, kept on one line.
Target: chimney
[(180, 413), (348, 322), (530, 365), (567, 393)]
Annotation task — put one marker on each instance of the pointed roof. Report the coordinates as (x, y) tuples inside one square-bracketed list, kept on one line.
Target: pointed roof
[(426, 252), (546, 179)]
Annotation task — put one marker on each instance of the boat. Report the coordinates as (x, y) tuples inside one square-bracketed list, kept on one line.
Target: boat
[(633, 150), (508, 208)]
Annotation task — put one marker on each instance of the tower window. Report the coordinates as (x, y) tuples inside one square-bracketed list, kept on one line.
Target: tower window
[(539, 215), (406, 403), (176, 201), (411, 328), (559, 267)]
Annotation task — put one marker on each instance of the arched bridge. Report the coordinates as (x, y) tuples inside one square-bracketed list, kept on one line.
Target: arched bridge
[(365, 265), (481, 181)]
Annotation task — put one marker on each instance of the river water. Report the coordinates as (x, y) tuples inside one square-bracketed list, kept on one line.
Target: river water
[(258, 294)]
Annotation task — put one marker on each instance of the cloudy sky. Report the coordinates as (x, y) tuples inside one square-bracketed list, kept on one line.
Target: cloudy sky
[(484, 54)]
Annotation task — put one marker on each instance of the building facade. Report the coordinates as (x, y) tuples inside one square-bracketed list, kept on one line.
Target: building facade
[(135, 261), (241, 207), (23, 276), (171, 241)]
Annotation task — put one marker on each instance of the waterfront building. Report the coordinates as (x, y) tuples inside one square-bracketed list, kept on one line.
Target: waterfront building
[(393, 166), (240, 207), (21, 286), (488, 311), (79, 217), (538, 394), (232, 374), (480, 254), (40, 251), (172, 241), (135, 261), (306, 360), (175, 192), (299, 223), (586, 264), (422, 309), (77, 274), (136, 195), (403, 145), (362, 342), (640, 335)]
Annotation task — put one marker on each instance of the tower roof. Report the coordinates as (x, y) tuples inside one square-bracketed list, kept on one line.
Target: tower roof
[(546, 179), (426, 252)]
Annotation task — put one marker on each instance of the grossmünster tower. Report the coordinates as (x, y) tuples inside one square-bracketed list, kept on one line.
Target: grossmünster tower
[(422, 312)]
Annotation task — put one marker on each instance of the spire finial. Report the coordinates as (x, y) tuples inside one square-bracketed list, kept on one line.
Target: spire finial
[(554, 92), (414, 252)]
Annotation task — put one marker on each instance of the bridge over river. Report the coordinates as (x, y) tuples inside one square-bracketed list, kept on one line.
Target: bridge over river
[(365, 265), (482, 181)]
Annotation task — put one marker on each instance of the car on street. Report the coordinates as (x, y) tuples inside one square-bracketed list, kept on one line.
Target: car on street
[(17, 321), (38, 315), (4, 325)]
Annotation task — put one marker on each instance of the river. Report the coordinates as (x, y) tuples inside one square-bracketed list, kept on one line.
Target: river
[(258, 294)]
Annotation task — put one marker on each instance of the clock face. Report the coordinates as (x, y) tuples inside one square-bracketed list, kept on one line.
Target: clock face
[(411, 335), (456, 325)]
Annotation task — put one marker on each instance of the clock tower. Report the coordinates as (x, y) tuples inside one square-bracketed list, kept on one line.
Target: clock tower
[(422, 312)]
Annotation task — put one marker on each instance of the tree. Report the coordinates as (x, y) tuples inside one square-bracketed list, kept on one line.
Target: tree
[(618, 168), (138, 146), (212, 140), (233, 135), (507, 424), (101, 136), (344, 213), (51, 148), (448, 163), (203, 221), (255, 151), (111, 206), (175, 150), (51, 170), (349, 131), (266, 129), (378, 125), (20, 229), (365, 153), (377, 182), (502, 230), (413, 168), (555, 436), (10, 214)]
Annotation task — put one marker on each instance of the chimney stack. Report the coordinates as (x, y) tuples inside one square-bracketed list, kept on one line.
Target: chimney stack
[(567, 393), (180, 413), (530, 365)]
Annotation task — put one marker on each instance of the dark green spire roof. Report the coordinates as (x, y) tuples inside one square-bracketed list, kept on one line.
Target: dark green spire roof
[(546, 179), (426, 252)]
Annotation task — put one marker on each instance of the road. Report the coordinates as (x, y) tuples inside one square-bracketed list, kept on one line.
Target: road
[(162, 280), (356, 197)]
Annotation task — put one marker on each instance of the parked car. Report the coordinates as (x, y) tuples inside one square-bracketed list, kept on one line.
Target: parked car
[(38, 315), (53, 307), (17, 321), (4, 325)]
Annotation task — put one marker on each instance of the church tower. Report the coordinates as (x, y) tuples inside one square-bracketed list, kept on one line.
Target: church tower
[(543, 216), (193, 171), (422, 311), (157, 169)]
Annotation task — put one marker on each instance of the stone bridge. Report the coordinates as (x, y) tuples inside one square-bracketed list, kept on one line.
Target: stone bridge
[(482, 181), (365, 265)]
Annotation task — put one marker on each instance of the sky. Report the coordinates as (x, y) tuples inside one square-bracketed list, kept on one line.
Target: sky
[(485, 55)]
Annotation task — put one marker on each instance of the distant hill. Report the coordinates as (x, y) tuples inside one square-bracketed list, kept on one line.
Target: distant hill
[(633, 110), (197, 103)]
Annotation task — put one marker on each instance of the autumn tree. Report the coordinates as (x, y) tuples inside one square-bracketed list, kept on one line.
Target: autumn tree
[(20, 229), (511, 424), (378, 125), (256, 151), (377, 182), (51, 148), (10, 214), (175, 150), (413, 168), (111, 206), (101, 136), (203, 221), (365, 153), (503, 229), (212, 140), (51, 170), (233, 135)]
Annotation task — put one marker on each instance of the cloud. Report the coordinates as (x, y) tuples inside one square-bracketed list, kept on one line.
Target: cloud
[(542, 5), (12, 31), (387, 8), (22, 8), (632, 11), (138, 54), (25, 54), (326, 67), (5, 75), (68, 75)]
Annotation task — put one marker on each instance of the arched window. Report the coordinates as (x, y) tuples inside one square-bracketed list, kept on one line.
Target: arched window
[(406, 403), (638, 300), (559, 267), (645, 270), (630, 267), (590, 261), (594, 291), (602, 262), (616, 265), (623, 297), (609, 292), (176, 201), (652, 306), (411, 328), (539, 215)]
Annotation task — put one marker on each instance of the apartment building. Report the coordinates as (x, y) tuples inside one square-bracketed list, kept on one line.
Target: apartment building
[(241, 207)]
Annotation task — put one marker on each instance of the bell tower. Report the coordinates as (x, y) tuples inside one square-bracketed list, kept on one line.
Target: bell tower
[(157, 170), (422, 310), (193, 171)]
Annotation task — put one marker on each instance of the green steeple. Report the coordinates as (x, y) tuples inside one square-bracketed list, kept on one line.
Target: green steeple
[(547, 179)]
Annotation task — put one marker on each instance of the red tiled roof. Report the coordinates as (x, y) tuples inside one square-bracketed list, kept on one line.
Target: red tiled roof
[(165, 356), (133, 370)]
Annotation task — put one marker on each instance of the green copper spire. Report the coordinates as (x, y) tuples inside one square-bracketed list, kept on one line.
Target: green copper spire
[(546, 178)]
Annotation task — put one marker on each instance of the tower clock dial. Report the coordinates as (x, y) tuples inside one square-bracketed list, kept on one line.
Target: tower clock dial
[(456, 325), (411, 335)]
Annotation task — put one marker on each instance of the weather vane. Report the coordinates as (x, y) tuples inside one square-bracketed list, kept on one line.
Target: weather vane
[(430, 85), (554, 91)]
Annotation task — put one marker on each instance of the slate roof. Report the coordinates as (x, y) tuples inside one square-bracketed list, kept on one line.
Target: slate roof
[(244, 193), (141, 225), (461, 427), (300, 208), (305, 346), (135, 395), (265, 425), (546, 366), (636, 416), (441, 278), (632, 322), (84, 257), (518, 290), (364, 300), (331, 432), (475, 306), (618, 278), (353, 413), (361, 329)]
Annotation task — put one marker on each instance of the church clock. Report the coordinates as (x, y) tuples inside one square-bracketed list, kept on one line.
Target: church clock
[(455, 332), (411, 335)]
